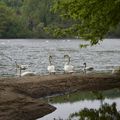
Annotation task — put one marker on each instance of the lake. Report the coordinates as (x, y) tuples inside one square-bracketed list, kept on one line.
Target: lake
[(35, 52)]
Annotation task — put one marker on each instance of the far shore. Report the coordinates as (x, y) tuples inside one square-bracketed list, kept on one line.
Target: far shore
[(19, 97)]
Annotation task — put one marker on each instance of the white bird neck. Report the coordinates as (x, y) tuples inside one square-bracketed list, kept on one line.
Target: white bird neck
[(68, 62), (17, 65), (15, 62), (50, 62), (85, 65)]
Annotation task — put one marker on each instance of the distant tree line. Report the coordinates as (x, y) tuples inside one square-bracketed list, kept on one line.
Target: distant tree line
[(33, 19)]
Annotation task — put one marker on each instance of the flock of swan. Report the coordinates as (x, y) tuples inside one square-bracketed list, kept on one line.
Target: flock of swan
[(68, 68)]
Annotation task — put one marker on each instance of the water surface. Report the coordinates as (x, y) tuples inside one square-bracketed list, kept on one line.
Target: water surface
[(75, 102), (35, 53)]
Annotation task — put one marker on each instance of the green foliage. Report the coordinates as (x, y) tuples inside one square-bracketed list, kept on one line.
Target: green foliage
[(13, 3), (5, 18), (105, 112), (36, 14), (10, 24), (92, 18), (88, 19)]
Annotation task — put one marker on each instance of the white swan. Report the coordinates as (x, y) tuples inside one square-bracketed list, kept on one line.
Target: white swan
[(67, 67), (51, 68), (27, 73), (87, 68), (23, 67), (116, 70)]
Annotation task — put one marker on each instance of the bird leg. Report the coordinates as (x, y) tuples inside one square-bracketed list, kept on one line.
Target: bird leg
[(20, 71)]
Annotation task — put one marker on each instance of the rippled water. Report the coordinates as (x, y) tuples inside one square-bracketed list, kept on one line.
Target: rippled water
[(35, 54)]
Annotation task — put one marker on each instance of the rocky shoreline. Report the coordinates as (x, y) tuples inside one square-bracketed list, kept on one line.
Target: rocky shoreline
[(19, 97)]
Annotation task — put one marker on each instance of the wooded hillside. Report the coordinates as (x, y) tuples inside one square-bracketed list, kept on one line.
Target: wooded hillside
[(32, 19)]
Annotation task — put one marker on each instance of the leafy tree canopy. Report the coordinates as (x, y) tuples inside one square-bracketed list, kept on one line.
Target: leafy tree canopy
[(5, 18), (10, 24), (92, 18), (36, 14)]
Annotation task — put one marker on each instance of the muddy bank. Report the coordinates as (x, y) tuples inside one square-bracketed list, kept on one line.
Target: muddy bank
[(19, 95), (41, 86), (15, 106)]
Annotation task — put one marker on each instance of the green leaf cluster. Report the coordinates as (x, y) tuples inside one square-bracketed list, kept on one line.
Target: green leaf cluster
[(105, 112), (5, 19), (87, 19), (93, 19)]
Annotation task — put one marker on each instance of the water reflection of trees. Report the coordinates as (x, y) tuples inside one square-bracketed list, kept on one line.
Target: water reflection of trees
[(105, 112), (86, 95)]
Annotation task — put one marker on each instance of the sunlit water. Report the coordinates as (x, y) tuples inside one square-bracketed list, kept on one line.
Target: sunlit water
[(67, 107), (35, 54)]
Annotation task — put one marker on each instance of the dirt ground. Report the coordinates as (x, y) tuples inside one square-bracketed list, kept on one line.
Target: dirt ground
[(19, 97)]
